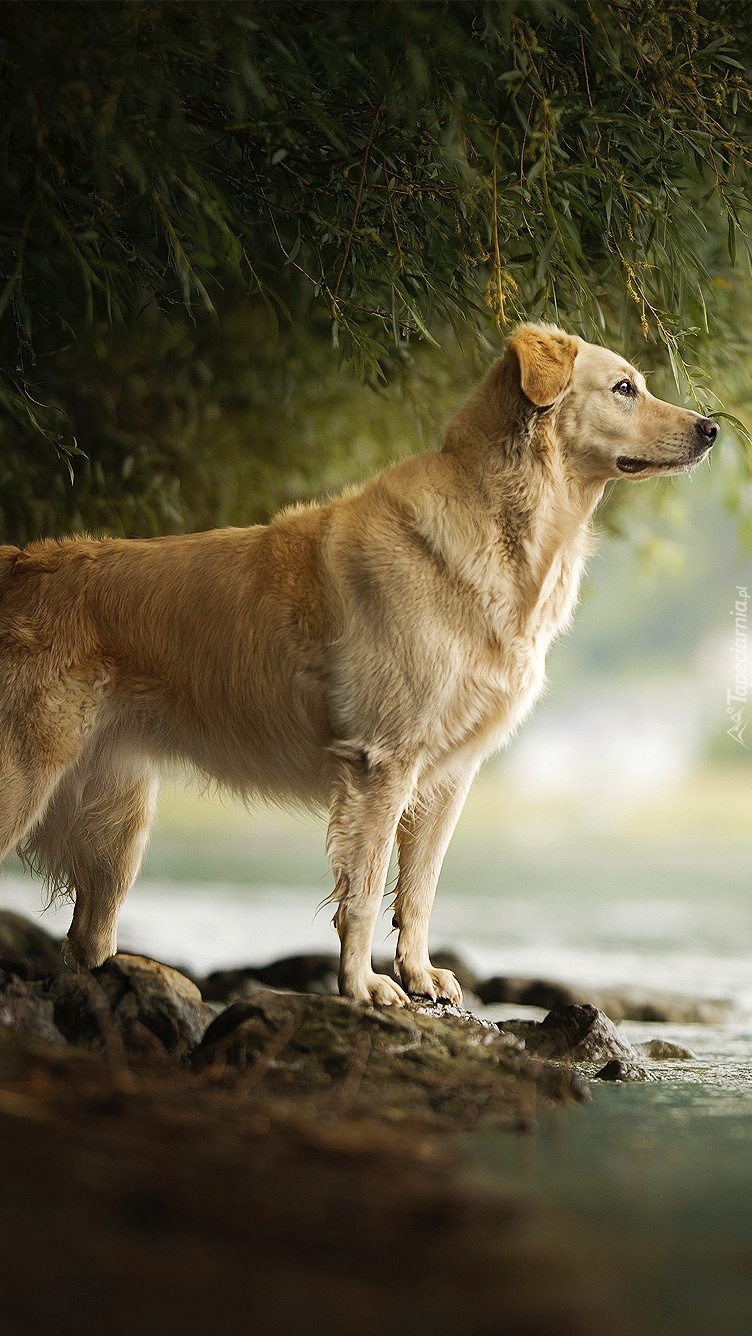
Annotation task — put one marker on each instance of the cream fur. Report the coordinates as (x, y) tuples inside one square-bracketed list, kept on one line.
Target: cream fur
[(365, 655)]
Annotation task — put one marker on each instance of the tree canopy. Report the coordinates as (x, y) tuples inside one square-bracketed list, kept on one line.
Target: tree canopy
[(208, 208)]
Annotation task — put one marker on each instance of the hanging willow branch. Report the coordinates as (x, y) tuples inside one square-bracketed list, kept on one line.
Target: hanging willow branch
[(388, 167)]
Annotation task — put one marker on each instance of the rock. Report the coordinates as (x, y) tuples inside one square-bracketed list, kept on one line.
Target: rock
[(25, 1006), (154, 1009), (320, 1034), (301, 974), (499, 988), (431, 1061), (82, 1013), (229, 985), (619, 1070), (426, 1008), (549, 996), (527, 992), (585, 1034), (619, 1004), (645, 1004), (578, 1033), (313, 973), (24, 945), (662, 1050), (146, 994)]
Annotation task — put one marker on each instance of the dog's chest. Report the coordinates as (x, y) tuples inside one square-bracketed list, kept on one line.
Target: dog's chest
[(502, 681), (555, 600)]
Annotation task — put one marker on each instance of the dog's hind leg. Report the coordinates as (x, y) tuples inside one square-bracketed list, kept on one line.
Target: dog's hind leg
[(44, 719), (423, 836), (369, 796), (90, 843), (25, 790)]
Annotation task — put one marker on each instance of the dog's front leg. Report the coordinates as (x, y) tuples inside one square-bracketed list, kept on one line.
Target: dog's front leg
[(422, 839), (370, 793)]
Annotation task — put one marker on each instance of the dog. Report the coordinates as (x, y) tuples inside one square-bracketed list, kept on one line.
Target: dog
[(365, 655)]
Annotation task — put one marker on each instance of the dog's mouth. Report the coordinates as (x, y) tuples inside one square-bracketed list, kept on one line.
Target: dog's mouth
[(628, 464)]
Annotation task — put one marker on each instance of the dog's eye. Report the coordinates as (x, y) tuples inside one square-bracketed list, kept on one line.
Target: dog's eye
[(624, 387)]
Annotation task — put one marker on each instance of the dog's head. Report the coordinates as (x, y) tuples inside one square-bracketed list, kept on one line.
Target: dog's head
[(606, 419)]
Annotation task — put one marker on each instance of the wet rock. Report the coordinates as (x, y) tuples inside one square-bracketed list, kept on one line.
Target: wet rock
[(320, 1035), (585, 1034), (24, 1005), (26, 949), (151, 1008), (144, 994), (429, 1061), (620, 1070), (579, 1033), (619, 1004), (662, 1050), (426, 1008)]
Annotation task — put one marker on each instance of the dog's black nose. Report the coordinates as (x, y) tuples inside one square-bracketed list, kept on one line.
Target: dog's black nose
[(707, 428)]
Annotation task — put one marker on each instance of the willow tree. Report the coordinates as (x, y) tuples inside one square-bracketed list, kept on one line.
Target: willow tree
[(216, 217)]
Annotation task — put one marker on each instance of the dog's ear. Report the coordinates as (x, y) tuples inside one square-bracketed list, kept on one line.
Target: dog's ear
[(546, 361)]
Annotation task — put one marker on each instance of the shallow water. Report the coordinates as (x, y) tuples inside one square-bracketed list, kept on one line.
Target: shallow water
[(656, 1181)]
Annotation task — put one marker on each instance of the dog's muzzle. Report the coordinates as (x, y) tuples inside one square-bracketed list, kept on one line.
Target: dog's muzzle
[(705, 428)]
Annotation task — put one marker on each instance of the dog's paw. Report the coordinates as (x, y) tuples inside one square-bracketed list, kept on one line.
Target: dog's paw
[(82, 958), (436, 985), (378, 989)]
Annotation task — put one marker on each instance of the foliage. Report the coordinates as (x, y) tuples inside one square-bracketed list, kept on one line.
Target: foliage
[(215, 421), (368, 175)]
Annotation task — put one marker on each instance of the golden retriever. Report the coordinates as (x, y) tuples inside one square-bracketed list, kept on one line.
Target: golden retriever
[(365, 654)]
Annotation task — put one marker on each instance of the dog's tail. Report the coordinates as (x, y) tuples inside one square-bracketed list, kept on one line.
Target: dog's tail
[(8, 559)]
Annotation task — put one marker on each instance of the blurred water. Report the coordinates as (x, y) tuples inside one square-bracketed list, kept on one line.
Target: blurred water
[(591, 912), (656, 1181), (576, 929)]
